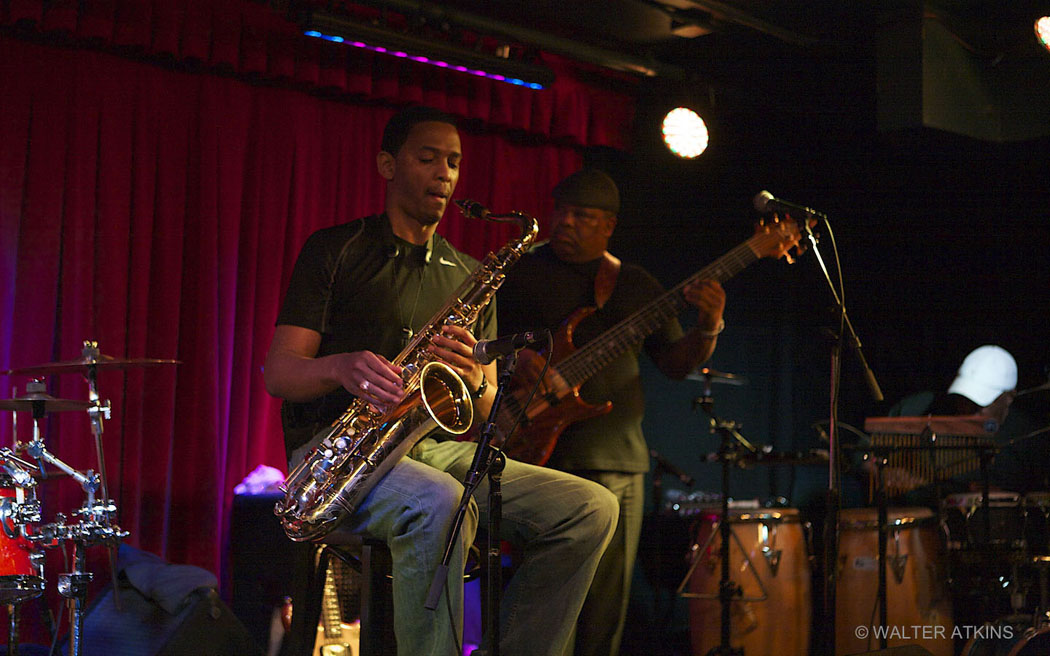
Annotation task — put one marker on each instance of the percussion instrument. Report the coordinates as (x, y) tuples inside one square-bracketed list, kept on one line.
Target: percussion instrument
[(917, 593), (38, 402), (965, 523), (21, 566), (1037, 523), (1008, 636), (90, 360), (930, 449), (769, 561), (22, 538)]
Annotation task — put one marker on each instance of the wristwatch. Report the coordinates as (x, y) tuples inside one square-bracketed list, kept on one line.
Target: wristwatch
[(477, 394)]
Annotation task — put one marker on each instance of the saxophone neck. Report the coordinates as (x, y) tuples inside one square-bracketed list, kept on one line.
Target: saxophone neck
[(526, 223)]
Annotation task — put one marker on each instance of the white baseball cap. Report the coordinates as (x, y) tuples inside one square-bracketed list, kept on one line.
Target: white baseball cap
[(987, 372)]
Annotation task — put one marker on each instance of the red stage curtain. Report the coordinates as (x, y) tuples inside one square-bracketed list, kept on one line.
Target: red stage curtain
[(159, 209)]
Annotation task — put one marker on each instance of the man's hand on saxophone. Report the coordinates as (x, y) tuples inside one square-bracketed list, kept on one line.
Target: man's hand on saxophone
[(371, 377), (293, 370), (455, 347)]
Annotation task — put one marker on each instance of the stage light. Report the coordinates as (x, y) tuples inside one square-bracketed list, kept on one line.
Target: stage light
[(1042, 31), (402, 45), (685, 133)]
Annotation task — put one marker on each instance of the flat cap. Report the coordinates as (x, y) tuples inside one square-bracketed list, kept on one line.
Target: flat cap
[(589, 188)]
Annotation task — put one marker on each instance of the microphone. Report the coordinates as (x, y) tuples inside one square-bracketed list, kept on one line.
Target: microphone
[(472, 209), (488, 350), (766, 202)]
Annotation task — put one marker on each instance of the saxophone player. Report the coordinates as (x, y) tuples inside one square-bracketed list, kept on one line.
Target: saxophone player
[(358, 294)]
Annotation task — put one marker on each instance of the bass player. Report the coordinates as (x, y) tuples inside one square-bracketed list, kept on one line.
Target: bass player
[(574, 270)]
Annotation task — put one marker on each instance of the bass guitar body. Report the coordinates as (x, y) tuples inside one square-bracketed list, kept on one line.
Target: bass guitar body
[(556, 403)]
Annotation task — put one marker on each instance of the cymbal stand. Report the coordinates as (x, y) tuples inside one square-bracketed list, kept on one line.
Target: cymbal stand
[(98, 411), (732, 443)]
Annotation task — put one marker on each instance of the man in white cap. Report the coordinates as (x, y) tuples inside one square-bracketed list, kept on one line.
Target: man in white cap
[(985, 385)]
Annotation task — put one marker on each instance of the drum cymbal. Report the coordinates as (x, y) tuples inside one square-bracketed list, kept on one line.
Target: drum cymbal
[(82, 364), (1040, 388), (34, 400), (706, 375)]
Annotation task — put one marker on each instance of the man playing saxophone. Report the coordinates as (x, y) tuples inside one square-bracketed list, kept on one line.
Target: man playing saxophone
[(359, 293)]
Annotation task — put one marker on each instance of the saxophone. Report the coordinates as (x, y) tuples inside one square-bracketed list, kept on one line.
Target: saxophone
[(349, 457)]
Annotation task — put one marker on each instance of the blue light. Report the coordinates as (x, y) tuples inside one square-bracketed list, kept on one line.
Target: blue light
[(425, 60)]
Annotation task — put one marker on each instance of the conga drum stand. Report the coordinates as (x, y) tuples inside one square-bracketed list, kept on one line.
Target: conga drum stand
[(728, 454)]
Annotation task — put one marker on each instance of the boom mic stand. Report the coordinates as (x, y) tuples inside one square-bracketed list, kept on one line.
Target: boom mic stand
[(488, 460), (834, 451)]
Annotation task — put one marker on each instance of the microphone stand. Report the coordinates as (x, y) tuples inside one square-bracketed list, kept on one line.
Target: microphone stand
[(834, 499), (488, 460)]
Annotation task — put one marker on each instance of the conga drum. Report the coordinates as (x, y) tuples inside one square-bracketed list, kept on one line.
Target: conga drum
[(1008, 636), (919, 607), (768, 561)]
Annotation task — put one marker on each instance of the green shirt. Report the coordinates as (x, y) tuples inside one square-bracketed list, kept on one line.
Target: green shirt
[(541, 291), (365, 289)]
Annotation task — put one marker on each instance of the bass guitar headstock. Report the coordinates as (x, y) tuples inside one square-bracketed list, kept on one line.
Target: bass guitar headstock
[(779, 238)]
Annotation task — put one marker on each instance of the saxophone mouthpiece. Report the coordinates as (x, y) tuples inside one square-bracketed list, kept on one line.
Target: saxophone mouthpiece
[(472, 209)]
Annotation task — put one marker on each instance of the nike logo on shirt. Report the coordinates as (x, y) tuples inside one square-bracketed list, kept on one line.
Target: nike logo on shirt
[(442, 260)]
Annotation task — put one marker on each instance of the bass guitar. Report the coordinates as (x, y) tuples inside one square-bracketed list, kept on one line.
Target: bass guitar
[(557, 402), (335, 637)]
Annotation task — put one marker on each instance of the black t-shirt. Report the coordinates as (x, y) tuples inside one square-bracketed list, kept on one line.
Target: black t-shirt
[(541, 291), (363, 289)]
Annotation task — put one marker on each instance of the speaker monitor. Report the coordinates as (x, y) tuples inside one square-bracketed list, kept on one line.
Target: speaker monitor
[(203, 626)]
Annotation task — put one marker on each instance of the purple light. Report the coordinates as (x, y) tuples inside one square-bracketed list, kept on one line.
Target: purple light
[(425, 60)]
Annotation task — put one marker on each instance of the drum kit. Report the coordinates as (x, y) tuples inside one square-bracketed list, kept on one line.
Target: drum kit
[(749, 579), (24, 467)]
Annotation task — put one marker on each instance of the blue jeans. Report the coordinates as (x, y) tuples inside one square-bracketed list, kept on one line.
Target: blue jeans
[(560, 522)]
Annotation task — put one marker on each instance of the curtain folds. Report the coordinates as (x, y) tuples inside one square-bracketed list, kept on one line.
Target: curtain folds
[(159, 209), (248, 38)]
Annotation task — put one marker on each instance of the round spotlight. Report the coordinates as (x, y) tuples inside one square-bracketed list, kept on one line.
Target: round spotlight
[(685, 133), (1042, 31)]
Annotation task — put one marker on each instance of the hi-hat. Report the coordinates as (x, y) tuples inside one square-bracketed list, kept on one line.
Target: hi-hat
[(85, 363), (44, 402), (707, 375)]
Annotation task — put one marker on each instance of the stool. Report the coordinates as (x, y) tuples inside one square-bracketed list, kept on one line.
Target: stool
[(372, 559)]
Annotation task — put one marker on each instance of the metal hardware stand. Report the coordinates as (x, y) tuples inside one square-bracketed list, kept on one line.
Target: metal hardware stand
[(488, 461), (732, 443)]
